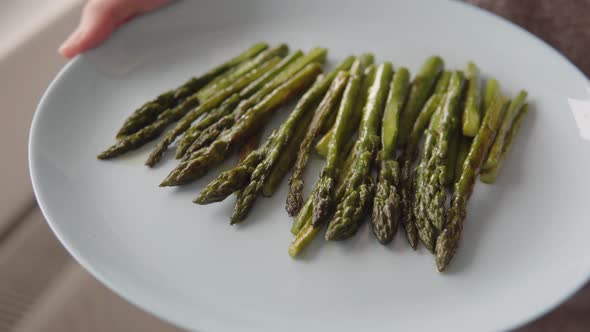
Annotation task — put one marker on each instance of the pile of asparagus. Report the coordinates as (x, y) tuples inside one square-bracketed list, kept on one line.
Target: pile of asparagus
[(422, 140)]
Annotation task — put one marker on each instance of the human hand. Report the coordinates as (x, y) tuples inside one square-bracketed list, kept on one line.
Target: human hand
[(100, 18)]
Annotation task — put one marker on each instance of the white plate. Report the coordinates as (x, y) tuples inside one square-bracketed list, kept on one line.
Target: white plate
[(525, 246)]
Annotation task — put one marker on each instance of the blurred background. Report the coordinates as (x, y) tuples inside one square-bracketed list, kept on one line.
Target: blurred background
[(41, 287)]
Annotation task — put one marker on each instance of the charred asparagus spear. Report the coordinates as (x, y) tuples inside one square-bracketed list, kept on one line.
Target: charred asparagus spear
[(409, 155), (448, 240), (286, 133), (193, 134), (265, 62), (496, 151), (332, 97), (152, 131), (323, 193), (472, 111), (367, 79), (316, 55), (254, 118), (431, 196), (490, 175), (149, 111), (421, 89), (359, 183), (386, 205)]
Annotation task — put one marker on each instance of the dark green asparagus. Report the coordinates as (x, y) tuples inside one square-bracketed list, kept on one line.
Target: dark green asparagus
[(316, 55), (248, 196), (472, 112), (490, 175), (496, 151), (323, 194), (149, 112), (464, 145), (210, 119), (287, 159), (240, 70), (236, 178), (429, 208), (368, 77), (359, 183), (253, 119), (332, 98), (409, 155), (386, 205), (448, 240), (421, 89), (215, 100)]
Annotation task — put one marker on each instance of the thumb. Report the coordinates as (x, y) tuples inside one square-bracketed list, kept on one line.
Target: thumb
[(100, 18)]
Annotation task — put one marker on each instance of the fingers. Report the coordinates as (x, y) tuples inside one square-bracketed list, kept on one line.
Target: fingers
[(100, 18)]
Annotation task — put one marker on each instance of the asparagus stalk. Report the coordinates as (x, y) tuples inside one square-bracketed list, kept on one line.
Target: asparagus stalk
[(251, 145), (193, 134), (430, 187), (359, 188), (409, 154), (421, 89), (287, 159), (316, 55), (217, 151), (214, 100), (323, 194), (472, 111), (490, 175), (448, 240), (495, 154), (149, 111), (368, 77), (332, 97), (248, 197), (454, 138), (492, 89), (210, 119), (464, 145), (299, 115), (302, 227), (233, 74), (385, 217)]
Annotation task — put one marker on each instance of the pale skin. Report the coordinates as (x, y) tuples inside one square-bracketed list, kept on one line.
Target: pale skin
[(100, 18)]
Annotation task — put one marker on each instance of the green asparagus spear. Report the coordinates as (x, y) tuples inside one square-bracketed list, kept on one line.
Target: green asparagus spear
[(247, 198), (236, 178), (323, 194), (254, 118), (430, 190), (492, 89), (302, 225), (332, 98), (249, 146), (464, 145), (194, 131), (287, 159), (409, 154), (421, 89), (359, 188), (315, 55), (454, 138), (490, 175), (207, 105), (472, 111), (205, 93), (148, 112), (448, 240), (368, 77), (495, 153), (385, 217)]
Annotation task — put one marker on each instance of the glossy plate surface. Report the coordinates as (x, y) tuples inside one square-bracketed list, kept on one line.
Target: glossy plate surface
[(525, 243)]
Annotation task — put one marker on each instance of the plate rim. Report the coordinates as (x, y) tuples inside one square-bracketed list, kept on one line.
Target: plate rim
[(152, 309)]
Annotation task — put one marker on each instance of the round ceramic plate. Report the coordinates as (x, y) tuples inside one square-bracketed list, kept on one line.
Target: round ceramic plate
[(525, 242)]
